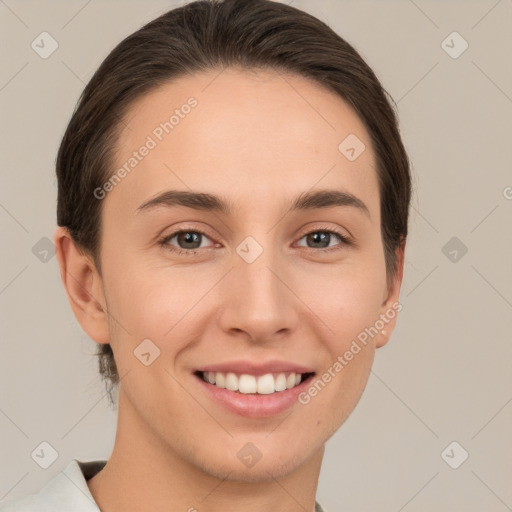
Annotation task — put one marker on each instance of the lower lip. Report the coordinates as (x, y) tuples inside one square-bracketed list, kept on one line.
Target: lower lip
[(254, 405)]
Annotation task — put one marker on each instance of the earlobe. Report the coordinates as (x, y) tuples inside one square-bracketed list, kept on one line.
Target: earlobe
[(83, 285), (382, 338)]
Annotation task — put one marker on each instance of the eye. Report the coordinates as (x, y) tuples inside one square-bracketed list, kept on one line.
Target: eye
[(188, 241), (322, 238)]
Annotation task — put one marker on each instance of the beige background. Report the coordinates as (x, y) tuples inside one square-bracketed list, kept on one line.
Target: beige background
[(445, 376)]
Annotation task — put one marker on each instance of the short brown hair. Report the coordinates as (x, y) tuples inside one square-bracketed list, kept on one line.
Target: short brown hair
[(212, 34)]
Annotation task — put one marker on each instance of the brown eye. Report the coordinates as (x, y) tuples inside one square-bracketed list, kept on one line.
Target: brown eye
[(189, 239)]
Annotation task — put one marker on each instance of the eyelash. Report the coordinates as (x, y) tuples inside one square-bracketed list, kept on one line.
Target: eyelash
[(164, 242)]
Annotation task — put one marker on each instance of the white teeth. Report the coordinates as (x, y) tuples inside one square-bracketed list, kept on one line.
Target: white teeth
[(231, 382), (220, 381), (266, 384), (263, 385), (247, 384), (280, 383)]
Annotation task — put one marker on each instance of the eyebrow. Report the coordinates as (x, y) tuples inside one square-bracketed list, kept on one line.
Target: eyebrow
[(209, 202)]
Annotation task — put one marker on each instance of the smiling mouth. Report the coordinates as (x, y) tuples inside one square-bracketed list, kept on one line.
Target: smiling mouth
[(244, 383)]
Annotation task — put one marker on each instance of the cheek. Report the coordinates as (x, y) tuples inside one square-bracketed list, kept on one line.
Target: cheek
[(153, 313), (345, 299), (164, 305), (347, 308), (345, 302), (151, 305)]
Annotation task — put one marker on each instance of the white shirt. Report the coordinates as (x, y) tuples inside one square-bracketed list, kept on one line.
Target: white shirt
[(66, 492)]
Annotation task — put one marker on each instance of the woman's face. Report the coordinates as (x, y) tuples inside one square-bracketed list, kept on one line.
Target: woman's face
[(257, 281)]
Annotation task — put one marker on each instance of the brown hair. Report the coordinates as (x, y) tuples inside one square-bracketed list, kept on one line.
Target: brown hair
[(212, 34)]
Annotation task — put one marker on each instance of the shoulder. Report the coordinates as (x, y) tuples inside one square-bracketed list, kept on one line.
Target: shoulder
[(67, 490)]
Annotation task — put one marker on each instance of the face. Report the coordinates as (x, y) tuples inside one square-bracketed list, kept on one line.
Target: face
[(246, 282)]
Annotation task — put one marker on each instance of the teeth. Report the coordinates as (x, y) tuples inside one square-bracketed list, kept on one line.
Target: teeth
[(263, 385), (247, 384), (220, 381), (231, 382), (280, 383)]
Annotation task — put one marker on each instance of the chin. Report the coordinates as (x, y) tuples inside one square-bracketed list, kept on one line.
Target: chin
[(260, 473), (270, 466)]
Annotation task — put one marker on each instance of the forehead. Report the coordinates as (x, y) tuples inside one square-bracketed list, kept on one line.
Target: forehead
[(256, 134)]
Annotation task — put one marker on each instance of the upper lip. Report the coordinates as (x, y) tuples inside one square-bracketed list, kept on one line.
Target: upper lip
[(252, 368)]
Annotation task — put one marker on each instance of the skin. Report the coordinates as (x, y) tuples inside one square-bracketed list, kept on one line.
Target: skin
[(257, 139)]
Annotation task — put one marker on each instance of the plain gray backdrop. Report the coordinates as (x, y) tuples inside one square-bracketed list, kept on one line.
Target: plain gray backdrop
[(446, 374)]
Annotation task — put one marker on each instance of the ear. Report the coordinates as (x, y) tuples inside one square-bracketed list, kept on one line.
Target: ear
[(83, 285), (391, 305)]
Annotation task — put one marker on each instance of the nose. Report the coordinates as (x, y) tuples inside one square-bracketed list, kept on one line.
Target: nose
[(258, 299)]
